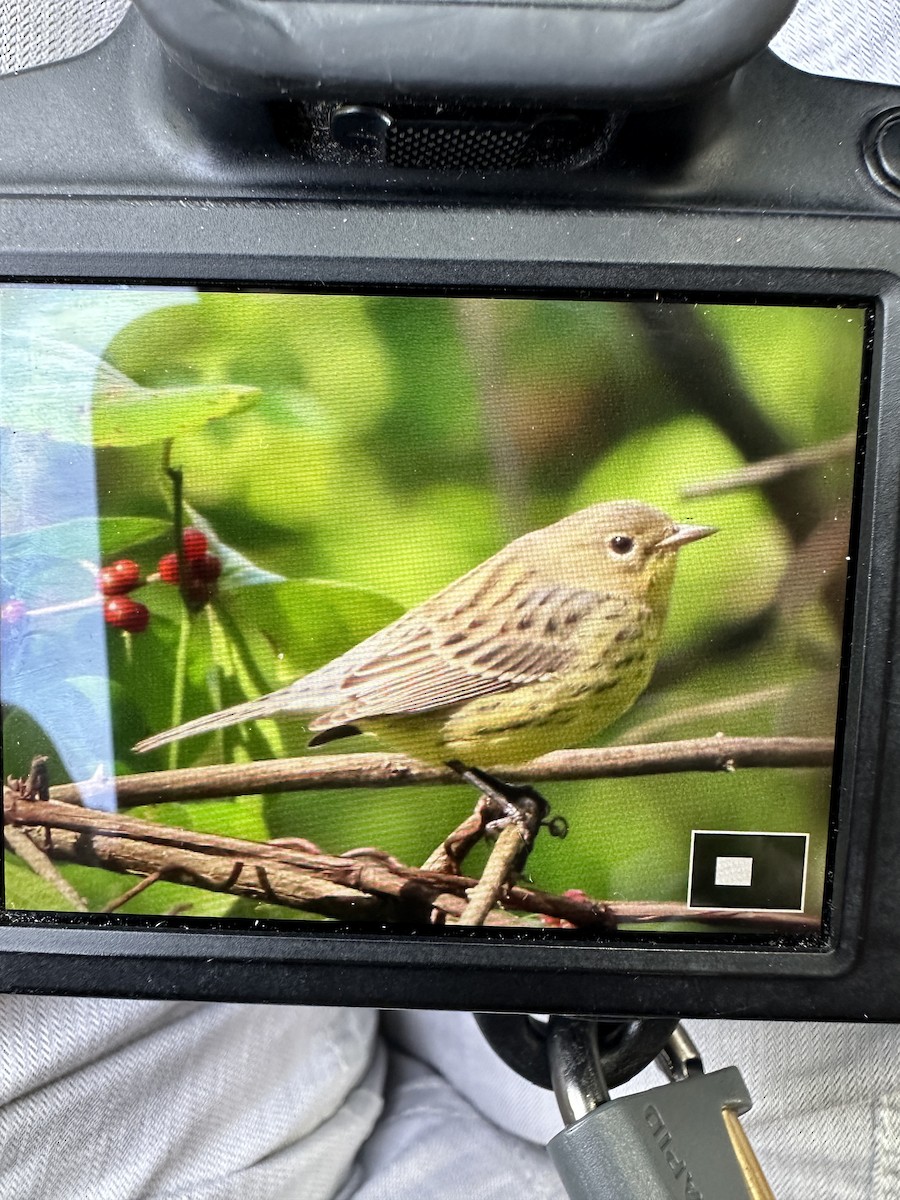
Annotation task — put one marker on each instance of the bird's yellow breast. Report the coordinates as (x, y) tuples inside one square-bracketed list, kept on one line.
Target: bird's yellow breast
[(614, 668)]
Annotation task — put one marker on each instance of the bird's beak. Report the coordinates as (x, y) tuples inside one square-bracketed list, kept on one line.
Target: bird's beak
[(684, 534)]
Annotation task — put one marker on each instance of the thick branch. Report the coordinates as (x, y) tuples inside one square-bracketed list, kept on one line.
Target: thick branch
[(718, 753), (364, 885)]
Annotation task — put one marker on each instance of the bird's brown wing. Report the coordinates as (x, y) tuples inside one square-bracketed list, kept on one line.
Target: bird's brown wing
[(493, 636)]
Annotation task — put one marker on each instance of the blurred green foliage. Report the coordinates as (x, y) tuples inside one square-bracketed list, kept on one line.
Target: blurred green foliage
[(368, 450)]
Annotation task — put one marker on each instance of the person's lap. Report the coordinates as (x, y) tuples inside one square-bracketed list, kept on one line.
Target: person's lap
[(165, 1100)]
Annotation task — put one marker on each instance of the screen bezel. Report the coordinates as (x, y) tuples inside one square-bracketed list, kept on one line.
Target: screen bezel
[(403, 969)]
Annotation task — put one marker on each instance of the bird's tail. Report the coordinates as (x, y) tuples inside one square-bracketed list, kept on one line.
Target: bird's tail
[(267, 706)]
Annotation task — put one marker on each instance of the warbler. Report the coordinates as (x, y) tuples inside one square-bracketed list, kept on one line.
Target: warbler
[(540, 647)]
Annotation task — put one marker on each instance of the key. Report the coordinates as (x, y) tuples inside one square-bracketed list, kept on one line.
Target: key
[(683, 1139)]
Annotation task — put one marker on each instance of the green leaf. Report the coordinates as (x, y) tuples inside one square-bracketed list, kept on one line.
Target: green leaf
[(315, 356), (79, 539), (71, 395), (127, 415)]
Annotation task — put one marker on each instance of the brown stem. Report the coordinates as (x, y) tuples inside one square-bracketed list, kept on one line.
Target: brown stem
[(176, 477), (449, 856), (717, 753), (140, 886), (370, 887), (766, 470), (507, 849)]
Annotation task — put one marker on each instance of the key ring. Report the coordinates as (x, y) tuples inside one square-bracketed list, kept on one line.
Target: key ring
[(622, 1048)]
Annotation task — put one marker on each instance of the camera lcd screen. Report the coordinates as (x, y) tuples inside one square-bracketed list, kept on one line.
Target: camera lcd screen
[(574, 567)]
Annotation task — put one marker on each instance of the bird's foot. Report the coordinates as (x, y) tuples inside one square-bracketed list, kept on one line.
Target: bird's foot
[(508, 801)]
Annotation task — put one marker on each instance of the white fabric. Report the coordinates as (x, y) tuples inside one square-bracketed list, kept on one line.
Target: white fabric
[(114, 1100), (844, 39), (121, 1100), (848, 39), (36, 32), (433, 1144), (128, 1099)]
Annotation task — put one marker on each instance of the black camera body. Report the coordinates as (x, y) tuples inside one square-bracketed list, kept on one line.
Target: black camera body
[(654, 155)]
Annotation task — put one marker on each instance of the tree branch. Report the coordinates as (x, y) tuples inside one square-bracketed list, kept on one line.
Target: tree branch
[(766, 470), (369, 884), (366, 884), (508, 847), (700, 365), (314, 772), (19, 842)]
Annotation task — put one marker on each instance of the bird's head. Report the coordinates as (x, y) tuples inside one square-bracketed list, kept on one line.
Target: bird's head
[(621, 546)]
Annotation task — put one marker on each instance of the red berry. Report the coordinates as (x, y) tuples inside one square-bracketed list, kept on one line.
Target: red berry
[(168, 568), (202, 570), (119, 577), (208, 568), (197, 593), (194, 543), (125, 613)]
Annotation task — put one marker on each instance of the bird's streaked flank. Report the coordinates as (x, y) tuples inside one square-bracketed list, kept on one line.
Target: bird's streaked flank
[(540, 647)]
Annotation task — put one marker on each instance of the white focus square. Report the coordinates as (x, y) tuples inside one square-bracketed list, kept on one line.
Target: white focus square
[(734, 871)]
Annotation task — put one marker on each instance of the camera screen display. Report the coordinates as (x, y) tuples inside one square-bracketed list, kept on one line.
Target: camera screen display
[(415, 611)]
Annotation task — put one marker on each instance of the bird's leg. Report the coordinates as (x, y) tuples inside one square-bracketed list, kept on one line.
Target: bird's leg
[(511, 802)]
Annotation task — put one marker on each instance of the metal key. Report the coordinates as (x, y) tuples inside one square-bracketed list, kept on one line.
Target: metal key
[(682, 1139)]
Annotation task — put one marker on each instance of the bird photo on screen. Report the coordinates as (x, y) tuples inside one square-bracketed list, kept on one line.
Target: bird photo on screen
[(540, 647)]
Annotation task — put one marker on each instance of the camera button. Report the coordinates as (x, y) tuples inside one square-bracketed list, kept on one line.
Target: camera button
[(883, 150)]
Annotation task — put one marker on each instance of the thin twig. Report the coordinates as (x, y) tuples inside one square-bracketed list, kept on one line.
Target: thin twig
[(36, 788), (312, 773), (765, 470), (20, 843), (140, 886), (448, 857), (509, 846), (714, 709)]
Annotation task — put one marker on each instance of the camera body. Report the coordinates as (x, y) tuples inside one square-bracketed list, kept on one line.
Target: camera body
[(168, 157)]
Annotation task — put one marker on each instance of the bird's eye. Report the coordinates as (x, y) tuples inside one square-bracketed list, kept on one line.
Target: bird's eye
[(620, 543)]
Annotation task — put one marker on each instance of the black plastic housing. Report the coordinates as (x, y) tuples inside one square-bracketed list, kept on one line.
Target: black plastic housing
[(100, 181), (578, 51)]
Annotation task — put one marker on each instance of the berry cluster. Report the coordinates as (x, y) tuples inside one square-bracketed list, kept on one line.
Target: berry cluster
[(123, 576), (203, 569)]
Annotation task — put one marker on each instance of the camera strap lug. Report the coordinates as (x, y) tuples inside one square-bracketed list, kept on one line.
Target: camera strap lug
[(682, 1139)]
